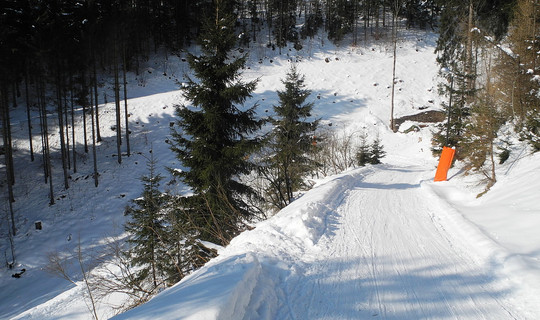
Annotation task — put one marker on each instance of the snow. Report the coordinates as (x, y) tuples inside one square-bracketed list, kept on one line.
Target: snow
[(381, 241)]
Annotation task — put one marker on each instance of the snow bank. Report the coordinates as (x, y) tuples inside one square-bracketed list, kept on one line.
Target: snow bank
[(219, 291)]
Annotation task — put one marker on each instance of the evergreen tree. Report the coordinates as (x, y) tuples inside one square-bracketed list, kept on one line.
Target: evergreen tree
[(216, 136), (454, 49), (147, 229), (363, 154), (290, 141), (369, 154), (376, 152)]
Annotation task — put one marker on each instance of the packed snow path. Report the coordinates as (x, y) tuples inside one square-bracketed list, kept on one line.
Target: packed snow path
[(385, 256), (374, 243)]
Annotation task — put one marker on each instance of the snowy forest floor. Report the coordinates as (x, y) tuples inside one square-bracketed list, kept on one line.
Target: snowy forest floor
[(376, 242)]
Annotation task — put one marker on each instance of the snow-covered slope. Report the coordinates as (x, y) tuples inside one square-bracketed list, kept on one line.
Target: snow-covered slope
[(376, 242)]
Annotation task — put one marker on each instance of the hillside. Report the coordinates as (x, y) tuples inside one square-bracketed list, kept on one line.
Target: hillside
[(382, 241)]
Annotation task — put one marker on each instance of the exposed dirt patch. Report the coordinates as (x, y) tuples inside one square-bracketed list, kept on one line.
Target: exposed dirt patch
[(431, 116)]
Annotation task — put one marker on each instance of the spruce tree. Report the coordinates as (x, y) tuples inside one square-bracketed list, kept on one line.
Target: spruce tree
[(290, 141), (363, 153), (376, 152), (147, 229), (216, 136)]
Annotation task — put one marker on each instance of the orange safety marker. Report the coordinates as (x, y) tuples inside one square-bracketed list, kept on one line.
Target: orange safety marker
[(445, 162)]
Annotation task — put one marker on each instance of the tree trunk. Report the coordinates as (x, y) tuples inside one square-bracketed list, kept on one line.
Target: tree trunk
[(94, 155), (394, 40), (59, 109), (9, 146), (41, 126), (126, 114), (96, 97), (66, 123), (45, 141), (117, 106), (4, 113), (72, 103), (29, 118), (83, 89)]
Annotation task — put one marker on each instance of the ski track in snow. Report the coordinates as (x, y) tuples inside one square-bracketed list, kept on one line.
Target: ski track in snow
[(400, 265)]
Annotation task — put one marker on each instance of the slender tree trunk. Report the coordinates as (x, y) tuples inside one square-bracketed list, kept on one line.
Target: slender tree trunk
[(117, 106), (41, 126), (7, 146), (384, 15), (83, 88), (66, 122), (377, 17), (126, 114), (394, 40), (96, 96), (366, 15), (59, 108), (29, 118), (94, 154), (45, 137), (72, 105)]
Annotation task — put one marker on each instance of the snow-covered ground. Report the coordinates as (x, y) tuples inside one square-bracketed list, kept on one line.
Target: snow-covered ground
[(375, 242)]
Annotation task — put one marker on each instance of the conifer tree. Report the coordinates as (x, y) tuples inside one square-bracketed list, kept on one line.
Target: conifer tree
[(363, 154), (217, 135), (290, 141), (376, 152), (147, 229)]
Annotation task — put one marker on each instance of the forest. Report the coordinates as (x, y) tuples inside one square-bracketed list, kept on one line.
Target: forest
[(52, 53)]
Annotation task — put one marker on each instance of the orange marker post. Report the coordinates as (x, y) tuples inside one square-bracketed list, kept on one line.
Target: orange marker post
[(445, 162)]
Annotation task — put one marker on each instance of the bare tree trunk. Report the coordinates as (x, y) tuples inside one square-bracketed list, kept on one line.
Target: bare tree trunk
[(94, 155), (394, 39), (96, 96), (366, 19), (126, 114), (59, 109), (117, 106), (83, 88), (45, 141), (7, 150), (29, 118), (41, 126), (72, 105), (66, 122)]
